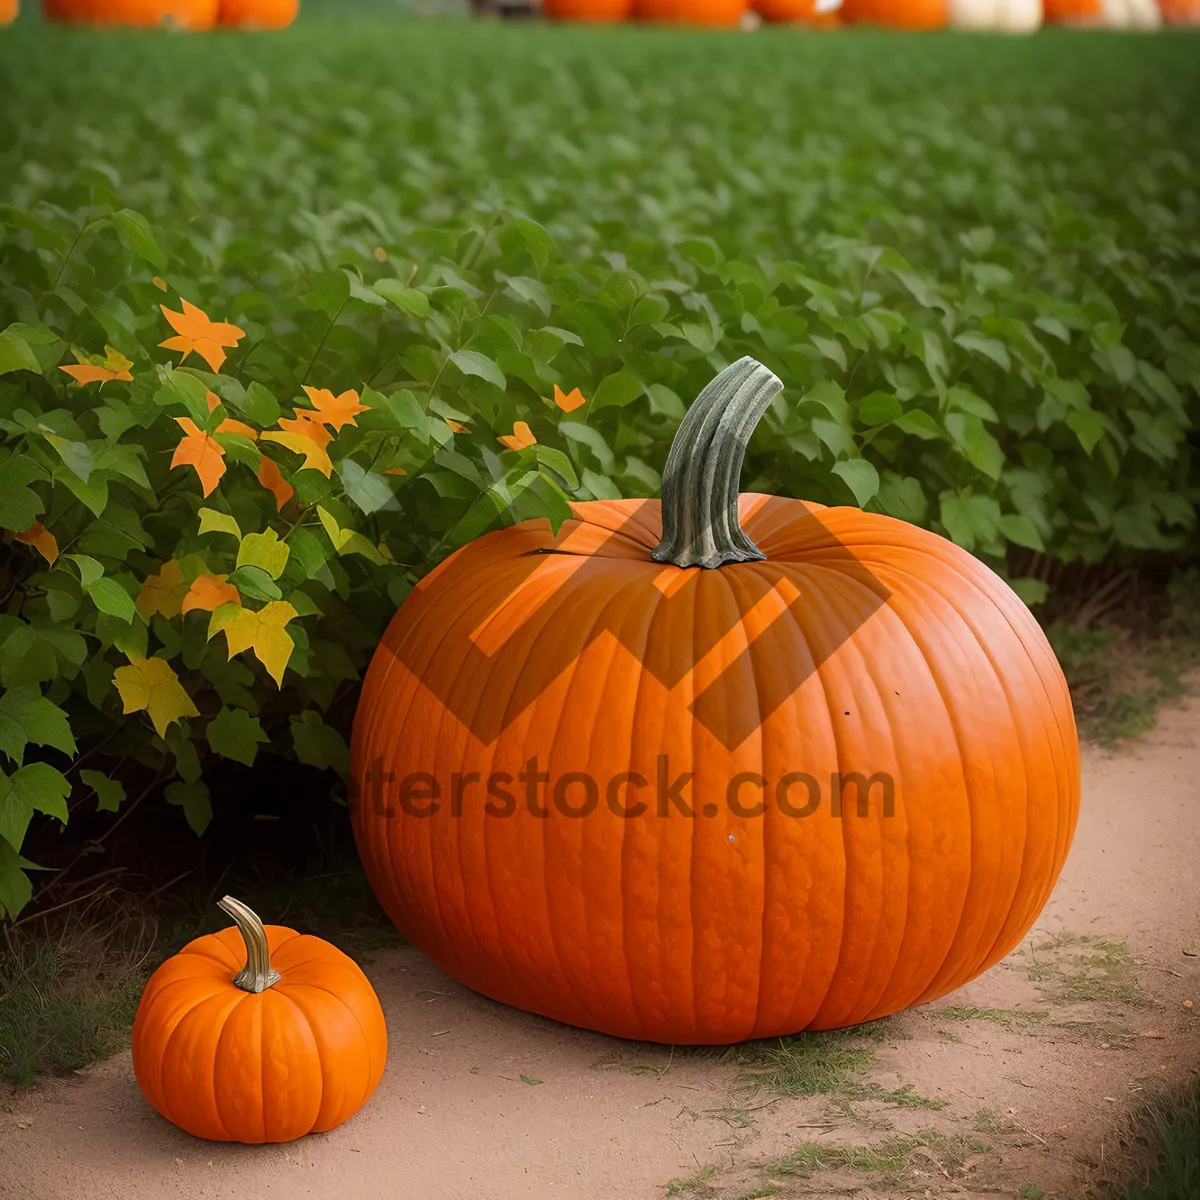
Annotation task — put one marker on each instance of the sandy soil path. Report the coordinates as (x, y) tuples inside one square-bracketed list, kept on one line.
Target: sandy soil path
[(1020, 1080)]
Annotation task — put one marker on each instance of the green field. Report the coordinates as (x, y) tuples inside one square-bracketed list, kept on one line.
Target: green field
[(974, 262)]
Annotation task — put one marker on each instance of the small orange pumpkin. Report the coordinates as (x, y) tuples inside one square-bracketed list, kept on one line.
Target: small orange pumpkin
[(716, 13), (259, 14), (599, 772), (8, 11), (186, 14), (258, 1034)]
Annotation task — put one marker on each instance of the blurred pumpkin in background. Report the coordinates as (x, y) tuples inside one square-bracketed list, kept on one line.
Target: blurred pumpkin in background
[(1002, 16), (587, 10), (259, 14), (186, 14), (717, 13), (1104, 14), (1181, 12), (823, 13), (8, 11)]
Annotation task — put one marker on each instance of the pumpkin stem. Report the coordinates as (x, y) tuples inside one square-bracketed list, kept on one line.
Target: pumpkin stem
[(258, 974), (703, 472)]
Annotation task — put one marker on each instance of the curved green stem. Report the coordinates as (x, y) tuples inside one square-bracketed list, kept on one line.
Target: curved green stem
[(703, 472), (258, 974)]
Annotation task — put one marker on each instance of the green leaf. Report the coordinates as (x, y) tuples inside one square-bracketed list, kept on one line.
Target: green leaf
[(234, 733), (370, 492), (20, 505), (37, 787), (110, 794), (319, 745), (471, 362), (15, 888), (134, 230), (264, 550), (27, 716), (259, 405), (346, 541), (860, 477), (15, 354), (1087, 427), (111, 598), (409, 300), (328, 292), (256, 583), (193, 798), (1020, 529), (75, 455), (1031, 591), (920, 424), (879, 408), (903, 497), (987, 347), (616, 391)]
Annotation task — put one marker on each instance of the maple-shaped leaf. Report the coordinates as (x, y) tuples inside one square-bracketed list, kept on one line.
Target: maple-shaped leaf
[(263, 632), (333, 410), (162, 593), (196, 332), (41, 539), (306, 424), (569, 401), (209, 592), (271, 477), (199, 450), (520, 438), (315, 458), (150, 685), (114, 366)]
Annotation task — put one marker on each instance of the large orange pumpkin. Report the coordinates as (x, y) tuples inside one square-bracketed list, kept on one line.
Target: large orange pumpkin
[(748, 670), (1108, 14), (259, 14), (186, 14), (898, 14), (716, 13), (258, 1034)]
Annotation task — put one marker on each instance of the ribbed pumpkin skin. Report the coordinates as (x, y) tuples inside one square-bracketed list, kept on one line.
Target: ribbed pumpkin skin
[(720, 14), (232, 1066), (187, 14), (259, 14), (603, 11), (716, 929)]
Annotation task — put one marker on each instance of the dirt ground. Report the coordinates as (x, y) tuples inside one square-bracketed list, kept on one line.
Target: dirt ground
[(1016, 1085)]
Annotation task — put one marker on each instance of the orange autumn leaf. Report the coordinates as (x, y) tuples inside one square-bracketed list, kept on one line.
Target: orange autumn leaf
[(334, 410), (196, 332), (213, 400), (457, 426), (271, 477), (229, 425), (306, 424), (395, 471), (115, 367), (569, 401), (315, 458), (41, 539), (520, 438), (162, 593), (209, 592), (199, 450)]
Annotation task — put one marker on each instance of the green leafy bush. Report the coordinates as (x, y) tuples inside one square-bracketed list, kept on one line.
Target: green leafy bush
[(981, 297)]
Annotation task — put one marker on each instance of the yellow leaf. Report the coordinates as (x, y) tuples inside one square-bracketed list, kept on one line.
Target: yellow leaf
[(264, 550), (262, 631), (162, 593), (150, 685), (212, 521), (315, 458), (347, 541), (41, 539)]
